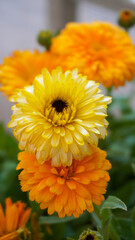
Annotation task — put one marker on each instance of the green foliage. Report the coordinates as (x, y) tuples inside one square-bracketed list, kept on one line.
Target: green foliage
[(55, 219), (9, 184), (112, 203)]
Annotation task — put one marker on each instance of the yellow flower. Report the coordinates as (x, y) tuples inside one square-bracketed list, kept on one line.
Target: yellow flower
[(66, 190), (102, 51), (20, 69), (59, 116), (13, 222)]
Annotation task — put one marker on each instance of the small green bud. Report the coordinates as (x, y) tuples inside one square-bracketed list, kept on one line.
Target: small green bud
[(90, 235), (126, 19), (44, 38)]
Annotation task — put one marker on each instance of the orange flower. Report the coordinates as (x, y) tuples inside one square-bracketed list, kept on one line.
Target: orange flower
[(66, 190), (20, 69), (13, 222), (102, 51)]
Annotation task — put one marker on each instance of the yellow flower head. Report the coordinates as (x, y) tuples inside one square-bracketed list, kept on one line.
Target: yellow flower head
[(13, 222), (20, 69), (59, 116), (66, 190), (102, 51)]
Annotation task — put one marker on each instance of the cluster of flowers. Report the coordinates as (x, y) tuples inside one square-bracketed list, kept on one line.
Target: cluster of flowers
[(59, 115), (58, 121)]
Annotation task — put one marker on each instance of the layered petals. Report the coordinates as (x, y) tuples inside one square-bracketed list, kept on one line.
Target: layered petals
[(65, 190), (20, 69), (13, 221), (59, 116), (102, 51)]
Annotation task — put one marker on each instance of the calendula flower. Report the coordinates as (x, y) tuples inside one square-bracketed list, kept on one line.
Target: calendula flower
[(102, 51), (13, 221), (59, 116), (20, 69), (65, 190)]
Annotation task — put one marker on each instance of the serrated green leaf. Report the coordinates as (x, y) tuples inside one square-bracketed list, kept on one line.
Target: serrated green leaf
[(112, 203)]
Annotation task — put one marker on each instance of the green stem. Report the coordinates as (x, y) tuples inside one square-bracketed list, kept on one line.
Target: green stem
[(113, 233), (109, 91), (105, 227), (107, 233), (96, 220)]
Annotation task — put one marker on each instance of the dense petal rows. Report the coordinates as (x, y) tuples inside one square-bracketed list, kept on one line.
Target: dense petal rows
[(102, 51), (59, 116), (20, 69), (12, 223), (66, 190)]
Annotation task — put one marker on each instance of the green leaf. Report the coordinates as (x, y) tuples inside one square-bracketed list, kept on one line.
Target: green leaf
[(55, 231), (133, 167), (96, 220), (133, 222), (124, 191), (106, 217), (68, 238), (123, 228), (35, 206), (113, 232), (55, 219), (112, 203)]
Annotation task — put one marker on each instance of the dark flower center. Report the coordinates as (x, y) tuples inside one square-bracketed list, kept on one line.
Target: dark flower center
[(127, 13), (59, 105), (89, 237)]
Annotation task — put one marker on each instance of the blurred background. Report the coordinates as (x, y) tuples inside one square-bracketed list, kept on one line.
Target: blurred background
[(21, 20)]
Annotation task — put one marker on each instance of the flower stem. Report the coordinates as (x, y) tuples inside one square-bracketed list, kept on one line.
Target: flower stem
[(109, 91)]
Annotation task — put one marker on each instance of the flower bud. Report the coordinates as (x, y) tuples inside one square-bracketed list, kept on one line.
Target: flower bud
[(44, 38), (90, 235), (126, 19)]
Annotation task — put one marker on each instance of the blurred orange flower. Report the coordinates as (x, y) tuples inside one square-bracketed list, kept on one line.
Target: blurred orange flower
[(102, 51), (20, 69), (66, 190), (13, 222)]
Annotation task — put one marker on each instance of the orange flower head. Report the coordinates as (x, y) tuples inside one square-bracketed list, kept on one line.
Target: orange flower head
[(65, 190), (13, 222), (102, 51), (20, 69)]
